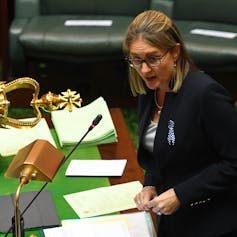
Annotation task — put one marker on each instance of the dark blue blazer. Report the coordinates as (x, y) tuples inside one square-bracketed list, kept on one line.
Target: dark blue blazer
[(195, 152)]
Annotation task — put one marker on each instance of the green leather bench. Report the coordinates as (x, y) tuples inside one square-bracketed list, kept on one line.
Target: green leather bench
[(213, 53), (38, 30), (210, 53)]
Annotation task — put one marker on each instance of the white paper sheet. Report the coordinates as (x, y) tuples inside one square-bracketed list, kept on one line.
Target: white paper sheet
[(106, 229), (96, 167), (88, 22), (104, 200), (12, 139), (139, 224), (214, 33)]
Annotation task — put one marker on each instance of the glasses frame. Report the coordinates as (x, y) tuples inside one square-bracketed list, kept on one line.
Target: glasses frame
[(141, 61)]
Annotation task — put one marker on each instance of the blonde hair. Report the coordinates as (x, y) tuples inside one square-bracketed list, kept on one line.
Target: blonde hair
[(158, 30)]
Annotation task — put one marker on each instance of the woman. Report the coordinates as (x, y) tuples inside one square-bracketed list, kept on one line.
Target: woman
[(187, 134)]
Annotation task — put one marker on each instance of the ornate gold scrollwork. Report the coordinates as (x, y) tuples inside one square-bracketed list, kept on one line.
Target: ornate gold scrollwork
[(48, 102)]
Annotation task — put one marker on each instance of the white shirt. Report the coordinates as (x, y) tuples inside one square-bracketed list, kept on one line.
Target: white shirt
[(149, 136)]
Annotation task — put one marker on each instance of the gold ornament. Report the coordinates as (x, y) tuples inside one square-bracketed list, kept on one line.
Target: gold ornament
[(48, 102)]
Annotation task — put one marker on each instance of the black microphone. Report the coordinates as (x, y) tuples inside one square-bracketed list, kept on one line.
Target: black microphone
[(93, 124), (95, 121)]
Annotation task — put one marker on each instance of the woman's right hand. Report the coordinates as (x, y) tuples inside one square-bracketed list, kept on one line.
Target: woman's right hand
[(142, 198)]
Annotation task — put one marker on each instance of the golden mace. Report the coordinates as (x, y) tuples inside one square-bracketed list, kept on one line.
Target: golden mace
[(48, 102)]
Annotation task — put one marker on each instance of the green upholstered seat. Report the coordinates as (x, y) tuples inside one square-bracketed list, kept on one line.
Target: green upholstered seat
[(209, 52), (47, 36), (38, 30)]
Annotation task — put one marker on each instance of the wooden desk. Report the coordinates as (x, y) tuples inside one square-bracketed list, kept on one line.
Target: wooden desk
[(124, 149)]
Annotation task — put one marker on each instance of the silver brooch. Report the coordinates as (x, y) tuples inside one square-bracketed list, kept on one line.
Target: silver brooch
[(171, 135)]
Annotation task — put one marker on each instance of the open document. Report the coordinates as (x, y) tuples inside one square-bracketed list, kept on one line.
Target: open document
[(71, 126), (12, 139), (135, 224), (104, 200)]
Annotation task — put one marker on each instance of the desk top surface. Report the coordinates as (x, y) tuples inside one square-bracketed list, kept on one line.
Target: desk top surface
[(123, 149)]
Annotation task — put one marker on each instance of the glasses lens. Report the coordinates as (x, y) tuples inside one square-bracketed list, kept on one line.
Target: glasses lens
[(153, 61), (137, 62)]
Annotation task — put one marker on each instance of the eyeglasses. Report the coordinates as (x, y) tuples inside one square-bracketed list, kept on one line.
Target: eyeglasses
[(152, 61)]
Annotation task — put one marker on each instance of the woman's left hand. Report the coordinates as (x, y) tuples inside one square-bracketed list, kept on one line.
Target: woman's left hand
[(166, 203)]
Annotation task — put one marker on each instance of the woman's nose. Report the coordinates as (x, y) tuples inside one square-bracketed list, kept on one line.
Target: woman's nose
[(145, 67)]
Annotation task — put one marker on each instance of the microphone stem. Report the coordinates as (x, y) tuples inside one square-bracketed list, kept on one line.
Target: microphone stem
[(37, 194), (75, 147)]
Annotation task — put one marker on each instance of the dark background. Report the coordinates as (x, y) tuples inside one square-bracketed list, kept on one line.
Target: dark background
[(107, 79)]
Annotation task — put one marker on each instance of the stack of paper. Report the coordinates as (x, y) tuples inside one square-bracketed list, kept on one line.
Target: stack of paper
[(115, 229), (71, 126), (13, 139), (136, 224)]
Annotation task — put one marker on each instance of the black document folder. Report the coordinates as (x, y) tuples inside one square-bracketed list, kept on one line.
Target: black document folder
[(41, 214)]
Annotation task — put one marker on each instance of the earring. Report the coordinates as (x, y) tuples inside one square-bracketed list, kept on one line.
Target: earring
[(173, 79)]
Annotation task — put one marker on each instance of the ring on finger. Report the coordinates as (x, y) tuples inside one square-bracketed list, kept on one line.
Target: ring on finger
[(159, 213)]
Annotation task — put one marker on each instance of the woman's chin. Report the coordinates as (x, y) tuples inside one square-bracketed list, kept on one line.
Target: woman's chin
[(152, 85)]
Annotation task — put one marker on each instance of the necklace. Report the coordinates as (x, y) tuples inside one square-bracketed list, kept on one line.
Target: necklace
[(159, 108)]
